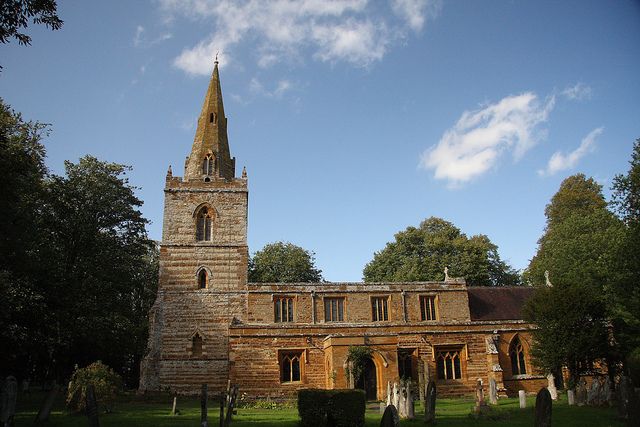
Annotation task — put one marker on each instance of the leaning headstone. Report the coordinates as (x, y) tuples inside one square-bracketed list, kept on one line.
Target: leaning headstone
[(175, 403), (91, 405), (47, 405), (551, 386), (523, 399), (543, 409), (571, 397), (625, 397), (430, 403), (203, 407), (8, 403), (390, 417), (493, 391)]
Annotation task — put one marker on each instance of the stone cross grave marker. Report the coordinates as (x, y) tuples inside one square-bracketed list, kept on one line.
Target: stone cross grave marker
[(493, 391), (390, 417), (91, 405), (523, 399), (481, 404), (47, 405), (551, 386), (430, 403), (543, 409), (8, 403)]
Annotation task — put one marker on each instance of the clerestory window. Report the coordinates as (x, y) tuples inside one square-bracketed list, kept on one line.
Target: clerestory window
[(203, 225), (283, 309), (380, 309), (334, 309), (428, 307)]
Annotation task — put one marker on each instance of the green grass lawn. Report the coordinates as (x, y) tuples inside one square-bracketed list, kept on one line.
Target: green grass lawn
[(134, 411)]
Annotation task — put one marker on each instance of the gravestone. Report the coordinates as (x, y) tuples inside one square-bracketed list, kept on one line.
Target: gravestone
[(233, 395), (543, 409), (551, 386), (175, 403), (389, 397), (395, 397), (203, 407), (411, 411), (593, 395), (383, 406), (607, 393), (571, 397), (47, 405), (493, 391), (522, 398), (390, 417), (91, 405), (8, 403), (430, 403), (481, 404), (625, 397), (581, 392), (402, 400)]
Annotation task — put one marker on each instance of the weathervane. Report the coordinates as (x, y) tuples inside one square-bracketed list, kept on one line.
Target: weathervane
[(217, 56)]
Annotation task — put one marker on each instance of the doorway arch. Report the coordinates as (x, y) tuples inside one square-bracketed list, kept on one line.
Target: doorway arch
[(369, 380)]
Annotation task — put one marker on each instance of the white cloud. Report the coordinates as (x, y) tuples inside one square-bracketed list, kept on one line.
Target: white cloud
[(281, 88), (415, 12), (559, 162), (139, 39), (332, 30), (479, 138), (578, 92)]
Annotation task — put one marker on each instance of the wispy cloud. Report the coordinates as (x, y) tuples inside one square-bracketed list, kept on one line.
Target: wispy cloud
[(578, 92), (479, 138), (140, 39), (283, 86), (352, 31), (559, 161)]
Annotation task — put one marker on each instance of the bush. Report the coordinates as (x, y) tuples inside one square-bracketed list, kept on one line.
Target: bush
[(331, 408), (105, 381)]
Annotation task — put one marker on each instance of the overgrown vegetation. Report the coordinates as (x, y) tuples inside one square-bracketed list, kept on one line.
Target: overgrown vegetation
[(106, 382), (357, 356)]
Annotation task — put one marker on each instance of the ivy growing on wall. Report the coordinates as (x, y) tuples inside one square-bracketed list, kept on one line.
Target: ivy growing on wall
[(357, 357)]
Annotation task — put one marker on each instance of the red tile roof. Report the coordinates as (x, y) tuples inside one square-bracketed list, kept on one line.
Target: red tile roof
[(497, 303)]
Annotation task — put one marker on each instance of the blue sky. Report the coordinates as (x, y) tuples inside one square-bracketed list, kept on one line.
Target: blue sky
[(354, 118)]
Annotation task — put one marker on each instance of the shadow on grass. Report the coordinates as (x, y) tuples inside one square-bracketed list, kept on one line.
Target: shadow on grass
[(138, 411)]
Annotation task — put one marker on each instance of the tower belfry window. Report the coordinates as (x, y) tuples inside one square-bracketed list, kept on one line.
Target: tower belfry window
[(203, 225), (210, 117), (207, 165)]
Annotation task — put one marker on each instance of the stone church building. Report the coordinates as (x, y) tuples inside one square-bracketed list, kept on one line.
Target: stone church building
[(209, 325)]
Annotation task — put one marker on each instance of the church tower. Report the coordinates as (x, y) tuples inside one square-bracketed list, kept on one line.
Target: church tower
[(203, 261)]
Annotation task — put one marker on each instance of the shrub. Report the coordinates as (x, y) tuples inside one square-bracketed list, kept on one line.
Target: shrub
[(331, 408), (105, 381)]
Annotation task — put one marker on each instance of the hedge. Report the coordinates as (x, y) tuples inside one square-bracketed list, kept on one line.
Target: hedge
[(331, 408)]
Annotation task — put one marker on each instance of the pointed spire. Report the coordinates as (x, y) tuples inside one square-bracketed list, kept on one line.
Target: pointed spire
[(210, 155), (244, 172)]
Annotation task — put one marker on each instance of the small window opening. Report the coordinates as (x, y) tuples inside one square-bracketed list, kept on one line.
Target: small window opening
[(210, 117), (207, 165), (202, 279)]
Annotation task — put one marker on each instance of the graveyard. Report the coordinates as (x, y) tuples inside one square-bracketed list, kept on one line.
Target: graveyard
[(132, 410)]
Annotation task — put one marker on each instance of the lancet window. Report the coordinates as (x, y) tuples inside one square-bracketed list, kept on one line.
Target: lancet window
[(516, 353), (202, 279), (208, 165), (203, 224)]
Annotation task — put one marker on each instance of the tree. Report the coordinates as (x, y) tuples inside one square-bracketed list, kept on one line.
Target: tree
[(625, 301), (579, 250), (15, 16), (283, 262), (421, 254)]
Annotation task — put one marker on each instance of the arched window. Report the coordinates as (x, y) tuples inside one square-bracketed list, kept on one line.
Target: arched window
[(290, 367), (202, 279), (196, 346), (516, 353), (203, 225), (207, 165)]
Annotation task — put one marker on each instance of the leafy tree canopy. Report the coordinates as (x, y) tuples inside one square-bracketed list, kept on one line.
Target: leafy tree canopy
[(283, 262), (578, 195), (422, 253), (15, 16)]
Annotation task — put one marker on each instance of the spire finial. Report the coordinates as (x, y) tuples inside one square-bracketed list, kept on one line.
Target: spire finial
[(216, 60)]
